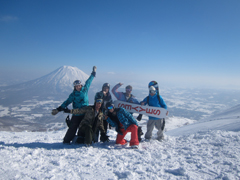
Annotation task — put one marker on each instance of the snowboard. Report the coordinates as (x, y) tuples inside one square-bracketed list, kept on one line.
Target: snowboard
[(145, 110)]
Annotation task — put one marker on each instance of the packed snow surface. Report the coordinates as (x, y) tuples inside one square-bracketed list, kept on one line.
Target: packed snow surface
[(201, 154)]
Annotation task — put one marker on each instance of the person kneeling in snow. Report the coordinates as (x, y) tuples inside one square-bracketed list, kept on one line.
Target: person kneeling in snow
[(124, 123), (92, 120)]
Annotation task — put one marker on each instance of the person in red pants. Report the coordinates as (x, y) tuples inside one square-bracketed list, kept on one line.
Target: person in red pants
[(124, 122)]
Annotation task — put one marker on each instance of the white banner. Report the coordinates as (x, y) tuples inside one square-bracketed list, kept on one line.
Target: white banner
[(145, 110)]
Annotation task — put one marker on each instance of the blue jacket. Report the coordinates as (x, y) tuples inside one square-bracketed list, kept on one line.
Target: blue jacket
[(124, 117), (122, 96), (79, 99), (153, 101)]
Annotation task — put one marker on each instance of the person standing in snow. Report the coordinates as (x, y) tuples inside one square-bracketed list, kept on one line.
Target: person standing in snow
[(126, 97), (79, 99), (124, 123), (154, 99), (91, 122), (106, 97)]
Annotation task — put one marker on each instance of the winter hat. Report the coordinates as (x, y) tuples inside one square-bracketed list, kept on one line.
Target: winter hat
[(106, 85), (129, 87)]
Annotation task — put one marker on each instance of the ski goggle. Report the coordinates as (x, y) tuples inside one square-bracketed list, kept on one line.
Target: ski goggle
[(152, 92), (128, 90), (99, 101), (110, 107), (77, 82)]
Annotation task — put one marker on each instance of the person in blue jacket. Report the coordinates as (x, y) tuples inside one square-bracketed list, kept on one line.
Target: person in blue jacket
[(124, 122), (79, 99), (154, 99)]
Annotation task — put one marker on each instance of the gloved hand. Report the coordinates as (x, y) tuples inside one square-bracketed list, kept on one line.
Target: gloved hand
[(104, 138), (94, 71), (54, 112), (60, 108), (139, 118), (66, 110)]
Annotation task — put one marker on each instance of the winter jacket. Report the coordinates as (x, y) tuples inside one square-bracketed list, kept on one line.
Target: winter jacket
[(79, 99), (106, 99), (124, 117), (153, 101), (122, 96), (89, 118)]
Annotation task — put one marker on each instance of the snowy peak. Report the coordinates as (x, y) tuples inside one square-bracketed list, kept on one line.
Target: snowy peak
[(62, 77), (55, 84)]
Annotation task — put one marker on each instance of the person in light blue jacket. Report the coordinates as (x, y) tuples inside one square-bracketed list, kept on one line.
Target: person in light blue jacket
[(79, 99), (154, 99), (126, 97)]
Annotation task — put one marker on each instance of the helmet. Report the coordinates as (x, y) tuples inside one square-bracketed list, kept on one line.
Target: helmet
[(77, 82), (106, 85), (155, 85)]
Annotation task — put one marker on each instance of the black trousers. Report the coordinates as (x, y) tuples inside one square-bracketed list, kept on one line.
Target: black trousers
[(87, 133), (71, 132), (96, 135)]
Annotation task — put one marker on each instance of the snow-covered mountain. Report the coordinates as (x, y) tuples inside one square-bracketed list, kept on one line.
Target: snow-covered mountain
[(58, 82)]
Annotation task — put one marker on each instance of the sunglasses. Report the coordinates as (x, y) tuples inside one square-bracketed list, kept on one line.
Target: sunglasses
[(128, 90), (110, 107)]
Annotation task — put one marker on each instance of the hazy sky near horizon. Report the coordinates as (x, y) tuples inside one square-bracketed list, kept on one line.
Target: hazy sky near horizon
[(177, 41)]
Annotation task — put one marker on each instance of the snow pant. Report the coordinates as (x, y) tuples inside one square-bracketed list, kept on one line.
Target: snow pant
[(134, 135), (159, 126), (87, 133), (71, 132), (96, 135)]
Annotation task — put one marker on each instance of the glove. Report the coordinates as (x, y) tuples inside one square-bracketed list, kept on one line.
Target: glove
[(94, 71), (60, 108), (139, 118), (54, 112), (104, 137), (66, 110)]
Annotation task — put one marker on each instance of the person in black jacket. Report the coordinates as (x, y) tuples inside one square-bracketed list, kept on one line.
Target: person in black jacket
[(106, 97), (92, 120)]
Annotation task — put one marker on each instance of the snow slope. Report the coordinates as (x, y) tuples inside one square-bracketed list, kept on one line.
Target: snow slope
[(228, 120), (212, 154)]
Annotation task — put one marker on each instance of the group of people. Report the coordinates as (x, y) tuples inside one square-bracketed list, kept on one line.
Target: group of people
[(90, 121)]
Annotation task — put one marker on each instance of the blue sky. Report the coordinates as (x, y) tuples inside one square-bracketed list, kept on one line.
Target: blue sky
[(183, 42)]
